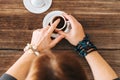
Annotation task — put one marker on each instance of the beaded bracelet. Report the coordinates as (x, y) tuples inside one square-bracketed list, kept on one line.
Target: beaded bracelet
[(31, 49), (85, 47)]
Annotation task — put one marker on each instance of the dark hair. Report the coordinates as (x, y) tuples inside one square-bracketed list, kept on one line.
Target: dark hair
[(60, 66)]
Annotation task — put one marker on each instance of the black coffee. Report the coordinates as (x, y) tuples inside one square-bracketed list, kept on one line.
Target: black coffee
[(61, 23)]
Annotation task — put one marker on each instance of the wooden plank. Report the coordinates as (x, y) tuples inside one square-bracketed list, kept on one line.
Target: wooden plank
[(17, 39), (57, 3), (77, 6), (31, 22), (8, 57)]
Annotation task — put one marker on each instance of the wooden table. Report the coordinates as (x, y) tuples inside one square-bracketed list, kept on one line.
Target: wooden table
[(100, 18)]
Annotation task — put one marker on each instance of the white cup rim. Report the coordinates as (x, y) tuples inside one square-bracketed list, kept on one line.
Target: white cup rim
[(37, 10)]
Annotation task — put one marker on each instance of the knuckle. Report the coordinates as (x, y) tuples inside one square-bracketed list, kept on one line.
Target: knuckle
[(37, 30), (34, 31)]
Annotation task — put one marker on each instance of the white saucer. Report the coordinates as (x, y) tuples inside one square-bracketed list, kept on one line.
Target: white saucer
[(37, 10), (48, 19)]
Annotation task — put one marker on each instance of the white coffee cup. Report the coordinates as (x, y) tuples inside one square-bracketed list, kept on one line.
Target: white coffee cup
[(37, 3), (63, 24), (48, 20)]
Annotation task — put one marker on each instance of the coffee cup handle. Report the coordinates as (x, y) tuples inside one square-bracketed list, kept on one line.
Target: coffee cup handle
[(68, 27)]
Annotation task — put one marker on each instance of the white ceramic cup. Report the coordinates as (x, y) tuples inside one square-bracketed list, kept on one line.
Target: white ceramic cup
[(65, 25), (37, 3)]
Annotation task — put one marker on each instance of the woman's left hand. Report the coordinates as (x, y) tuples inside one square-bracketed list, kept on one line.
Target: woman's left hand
[(41, 38)]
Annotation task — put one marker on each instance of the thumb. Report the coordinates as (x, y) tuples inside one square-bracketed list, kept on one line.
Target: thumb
[(56, 40)]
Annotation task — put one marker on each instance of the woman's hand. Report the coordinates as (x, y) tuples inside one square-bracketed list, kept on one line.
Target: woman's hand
[(76, 34), (41, 38)]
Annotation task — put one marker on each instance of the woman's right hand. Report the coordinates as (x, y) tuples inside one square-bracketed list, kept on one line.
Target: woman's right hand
[(76, 34)]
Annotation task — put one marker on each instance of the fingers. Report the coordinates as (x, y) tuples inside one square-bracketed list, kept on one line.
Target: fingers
[(45, 29), (53, 26), (71, 19), (55, 41), (61, 32), (66, 16)]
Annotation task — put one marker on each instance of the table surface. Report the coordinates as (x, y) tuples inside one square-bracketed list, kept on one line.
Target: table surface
[(100, 18)]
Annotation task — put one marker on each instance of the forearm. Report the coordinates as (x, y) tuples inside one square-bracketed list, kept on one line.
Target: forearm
[(20, 69), (100, 68)]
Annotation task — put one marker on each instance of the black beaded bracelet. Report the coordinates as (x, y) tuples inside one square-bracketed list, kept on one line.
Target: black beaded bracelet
[(85, 47)]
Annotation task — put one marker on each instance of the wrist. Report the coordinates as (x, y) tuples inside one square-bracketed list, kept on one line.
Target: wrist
[(85, 47), (30, 49), (29, 56), (79, 39), (92, 54), (40, 49)]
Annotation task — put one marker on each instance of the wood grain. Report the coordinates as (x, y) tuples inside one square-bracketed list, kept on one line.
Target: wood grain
[(17, 39), (100, 19)]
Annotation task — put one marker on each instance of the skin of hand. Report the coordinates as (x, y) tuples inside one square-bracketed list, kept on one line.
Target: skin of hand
[(76, 34), (41, 38)]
